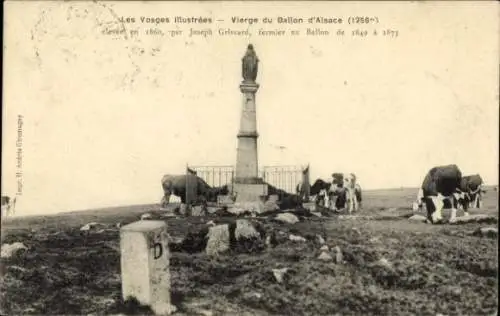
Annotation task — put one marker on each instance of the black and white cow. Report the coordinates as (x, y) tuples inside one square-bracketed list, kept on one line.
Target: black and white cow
[(440, 185), (318, 192), (471, 186), (8, 205), (345, 189)]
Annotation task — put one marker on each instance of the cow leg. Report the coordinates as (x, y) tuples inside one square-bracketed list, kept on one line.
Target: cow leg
[(435, 211), (327, 201), (417, 205), (166, 199), (354, 200), (349, 200), (453, 201)]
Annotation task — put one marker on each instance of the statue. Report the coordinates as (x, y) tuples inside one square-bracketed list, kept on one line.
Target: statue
[(250, 65)]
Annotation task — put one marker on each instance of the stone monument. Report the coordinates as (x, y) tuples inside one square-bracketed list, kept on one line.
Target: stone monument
[(145, 264), (247, 185)]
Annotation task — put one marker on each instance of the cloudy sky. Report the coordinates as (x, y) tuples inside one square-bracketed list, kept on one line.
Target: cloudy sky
[(104, 117)]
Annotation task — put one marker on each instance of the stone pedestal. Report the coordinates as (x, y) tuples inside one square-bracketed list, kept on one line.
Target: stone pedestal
[(246, 158), (247, 186), (247, 192), (145, 264)]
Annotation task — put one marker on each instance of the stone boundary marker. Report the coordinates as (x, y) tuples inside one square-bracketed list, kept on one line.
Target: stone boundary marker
[(145, 264)]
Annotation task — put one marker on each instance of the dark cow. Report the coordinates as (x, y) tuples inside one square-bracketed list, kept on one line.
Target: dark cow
[(442, 183), (345, 189), (317, 191), (471, 186), (286, 200), (189, 187)]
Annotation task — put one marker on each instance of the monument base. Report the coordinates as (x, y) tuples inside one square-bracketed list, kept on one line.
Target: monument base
[(249, 192)]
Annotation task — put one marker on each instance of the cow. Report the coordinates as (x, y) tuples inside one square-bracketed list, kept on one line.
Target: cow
[(317, 192), (440, 185), (8, 205), (196, 188), (345, 189), (471, 186), (469, 194)]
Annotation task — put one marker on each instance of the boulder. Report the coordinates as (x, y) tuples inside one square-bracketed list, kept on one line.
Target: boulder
[(418, 218), (9, 250), (287, 218), (218, 240)]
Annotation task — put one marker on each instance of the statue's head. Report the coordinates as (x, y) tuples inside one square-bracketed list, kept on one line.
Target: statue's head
[(250, 47)]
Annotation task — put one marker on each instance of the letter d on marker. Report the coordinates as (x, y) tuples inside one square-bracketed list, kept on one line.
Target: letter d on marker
[(157, 250)]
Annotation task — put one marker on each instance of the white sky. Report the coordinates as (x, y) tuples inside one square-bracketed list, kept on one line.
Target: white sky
[(105, 117)]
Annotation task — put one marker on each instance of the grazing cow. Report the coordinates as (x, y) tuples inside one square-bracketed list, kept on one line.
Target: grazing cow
[(196, 188), (317, 191), (286, 200), (344, 190), (471, 186), (8, 205), (441, 184), (318, 187)]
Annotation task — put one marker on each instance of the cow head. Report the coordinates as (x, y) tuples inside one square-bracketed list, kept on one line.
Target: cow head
[(350, 180), (319, 185), (338, 179)]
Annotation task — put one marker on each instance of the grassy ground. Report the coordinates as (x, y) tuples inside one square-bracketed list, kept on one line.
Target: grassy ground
[(392, 266)]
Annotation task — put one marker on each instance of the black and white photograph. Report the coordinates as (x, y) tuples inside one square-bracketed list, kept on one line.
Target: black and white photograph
[(252, 158)]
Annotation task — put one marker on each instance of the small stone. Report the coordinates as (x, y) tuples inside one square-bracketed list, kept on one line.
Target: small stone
[(324, 256), (339, 258), (279, 274), (146, 216), (320, 239), (245, 229), (324, 248), (296, 238), (417, 218)]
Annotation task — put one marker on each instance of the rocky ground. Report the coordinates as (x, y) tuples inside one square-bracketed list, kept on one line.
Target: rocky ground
[(375, 263)]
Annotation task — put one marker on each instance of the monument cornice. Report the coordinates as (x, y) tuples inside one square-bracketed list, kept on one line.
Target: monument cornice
[(249, 180), (248, 86), (248, 134)]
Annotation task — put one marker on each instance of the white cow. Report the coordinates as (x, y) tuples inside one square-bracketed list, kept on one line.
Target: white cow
[(344, 184)]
